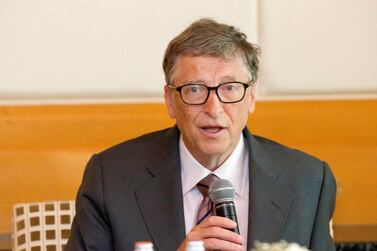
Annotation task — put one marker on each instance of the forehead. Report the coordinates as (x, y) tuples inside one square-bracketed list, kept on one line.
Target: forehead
[(209, 68)]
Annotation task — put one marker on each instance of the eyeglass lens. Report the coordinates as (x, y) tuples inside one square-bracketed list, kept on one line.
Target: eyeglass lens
[(198, 94)]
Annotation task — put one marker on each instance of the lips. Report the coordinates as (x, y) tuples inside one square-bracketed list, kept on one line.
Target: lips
[(212, 130)]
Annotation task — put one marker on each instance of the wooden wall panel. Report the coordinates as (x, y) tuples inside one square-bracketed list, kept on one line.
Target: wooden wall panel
[(43, 149), (344, 133)]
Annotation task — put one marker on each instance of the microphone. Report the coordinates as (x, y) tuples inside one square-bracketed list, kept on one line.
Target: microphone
[(221, 194)]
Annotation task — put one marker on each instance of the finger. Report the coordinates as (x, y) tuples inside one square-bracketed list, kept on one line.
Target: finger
[(220, 233), (219, 222), (218, 244)]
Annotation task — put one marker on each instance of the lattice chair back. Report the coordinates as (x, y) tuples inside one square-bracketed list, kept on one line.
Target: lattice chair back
[(43, 226)]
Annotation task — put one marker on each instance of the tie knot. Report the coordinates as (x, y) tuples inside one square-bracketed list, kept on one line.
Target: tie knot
[(205, 183)]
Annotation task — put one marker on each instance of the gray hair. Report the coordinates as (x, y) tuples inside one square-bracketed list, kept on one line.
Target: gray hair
[(208, 37)]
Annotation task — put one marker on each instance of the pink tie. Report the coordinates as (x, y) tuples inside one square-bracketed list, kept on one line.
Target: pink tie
[(205, 208)]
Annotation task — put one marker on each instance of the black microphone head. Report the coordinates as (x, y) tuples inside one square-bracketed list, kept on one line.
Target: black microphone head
[(220, 191)]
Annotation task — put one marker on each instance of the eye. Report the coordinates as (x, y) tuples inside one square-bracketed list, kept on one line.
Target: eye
[(193, 89), (230, 87)]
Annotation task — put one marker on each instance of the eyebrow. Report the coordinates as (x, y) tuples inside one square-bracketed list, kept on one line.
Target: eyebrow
[(228, 78), (222, 80), (195, 82)]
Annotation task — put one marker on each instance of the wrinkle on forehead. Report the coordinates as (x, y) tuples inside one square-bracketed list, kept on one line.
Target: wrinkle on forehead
[(229, 77)]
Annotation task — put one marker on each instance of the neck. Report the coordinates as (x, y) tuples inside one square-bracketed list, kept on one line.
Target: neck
[(213, 160)]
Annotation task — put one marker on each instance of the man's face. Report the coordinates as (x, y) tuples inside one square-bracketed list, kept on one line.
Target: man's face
[(212, 130)]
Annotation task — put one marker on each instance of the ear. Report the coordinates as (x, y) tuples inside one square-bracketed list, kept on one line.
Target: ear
[(253, 95), (169, 101)]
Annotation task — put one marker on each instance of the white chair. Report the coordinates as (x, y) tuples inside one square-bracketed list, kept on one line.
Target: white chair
[(43, 226)]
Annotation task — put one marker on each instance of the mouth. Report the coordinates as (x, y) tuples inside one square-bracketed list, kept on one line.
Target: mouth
[(212, 130)]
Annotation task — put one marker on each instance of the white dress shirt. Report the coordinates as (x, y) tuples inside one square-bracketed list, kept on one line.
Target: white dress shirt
[(235, 169)]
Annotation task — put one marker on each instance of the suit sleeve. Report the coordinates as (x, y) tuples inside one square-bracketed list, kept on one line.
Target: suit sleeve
[(90, 228), (321, 239)]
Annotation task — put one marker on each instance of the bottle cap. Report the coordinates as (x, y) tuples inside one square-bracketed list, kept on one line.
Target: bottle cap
[(143, 244)]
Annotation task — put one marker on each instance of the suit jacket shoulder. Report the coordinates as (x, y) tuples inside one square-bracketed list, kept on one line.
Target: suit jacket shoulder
[(280, 161), (123, 188), (292, 195)]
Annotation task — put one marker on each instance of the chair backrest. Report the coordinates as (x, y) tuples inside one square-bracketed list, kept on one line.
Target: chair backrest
[(42, 226)]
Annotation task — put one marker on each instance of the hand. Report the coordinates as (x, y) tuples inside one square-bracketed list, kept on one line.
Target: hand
[(214, 232)]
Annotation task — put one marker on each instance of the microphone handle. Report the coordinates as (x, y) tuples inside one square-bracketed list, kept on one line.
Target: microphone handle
[(228, 210)]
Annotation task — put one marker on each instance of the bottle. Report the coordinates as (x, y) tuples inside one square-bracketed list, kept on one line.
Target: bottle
[(143, 246), (195, 246)]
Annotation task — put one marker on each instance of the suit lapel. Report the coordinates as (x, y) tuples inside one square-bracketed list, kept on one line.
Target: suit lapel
[(269, 203), (160, 200)]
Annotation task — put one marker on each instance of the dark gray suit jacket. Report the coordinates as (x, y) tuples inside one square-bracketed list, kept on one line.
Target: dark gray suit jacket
[(132, 192)]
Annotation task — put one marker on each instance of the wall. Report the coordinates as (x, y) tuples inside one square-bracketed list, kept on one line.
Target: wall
[(80, 49), (93, 49), (318, 48), (44, 149)]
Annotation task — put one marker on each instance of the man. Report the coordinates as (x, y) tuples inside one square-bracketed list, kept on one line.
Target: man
[(146, 188)]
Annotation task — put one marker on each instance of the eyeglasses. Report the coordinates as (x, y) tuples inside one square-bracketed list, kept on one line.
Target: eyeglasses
[(197, 94)]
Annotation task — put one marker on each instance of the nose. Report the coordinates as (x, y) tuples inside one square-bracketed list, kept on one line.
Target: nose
[(213, 107)]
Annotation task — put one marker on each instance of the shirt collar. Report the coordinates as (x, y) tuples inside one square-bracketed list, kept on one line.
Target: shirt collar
[(235, 168), (192, 171)]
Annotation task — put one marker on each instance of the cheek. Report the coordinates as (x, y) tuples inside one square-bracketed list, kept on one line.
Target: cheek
[(186, 117), (239, 115), (182, 116)]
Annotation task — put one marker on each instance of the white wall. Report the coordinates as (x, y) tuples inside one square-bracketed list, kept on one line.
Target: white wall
[(318, 48), (76, 50), (94, 48)]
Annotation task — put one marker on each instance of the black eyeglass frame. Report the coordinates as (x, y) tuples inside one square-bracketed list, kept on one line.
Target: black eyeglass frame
[(214, 88)]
